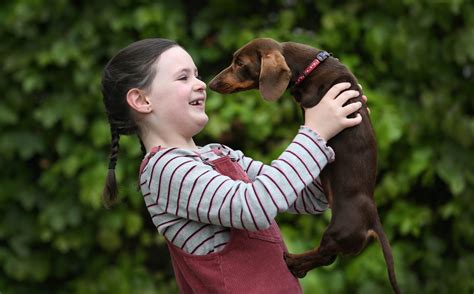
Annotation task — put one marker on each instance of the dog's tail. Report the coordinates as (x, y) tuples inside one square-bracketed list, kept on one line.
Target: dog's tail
[(387, 253)]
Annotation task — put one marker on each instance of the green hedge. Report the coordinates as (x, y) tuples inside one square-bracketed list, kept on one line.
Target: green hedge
[(415, 60)]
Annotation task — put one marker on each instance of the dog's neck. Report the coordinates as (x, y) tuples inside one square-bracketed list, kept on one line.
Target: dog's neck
[(298, 57)]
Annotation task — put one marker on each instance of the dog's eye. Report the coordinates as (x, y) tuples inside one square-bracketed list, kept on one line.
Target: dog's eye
[(238, 62)]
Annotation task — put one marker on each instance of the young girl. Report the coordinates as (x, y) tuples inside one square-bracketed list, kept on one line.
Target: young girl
[(214, 206)]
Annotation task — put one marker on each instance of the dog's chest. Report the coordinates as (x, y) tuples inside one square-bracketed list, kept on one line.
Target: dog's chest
[(307, 95)]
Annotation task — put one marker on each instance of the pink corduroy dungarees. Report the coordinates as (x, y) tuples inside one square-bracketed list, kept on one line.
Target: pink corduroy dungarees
[(252, 262)]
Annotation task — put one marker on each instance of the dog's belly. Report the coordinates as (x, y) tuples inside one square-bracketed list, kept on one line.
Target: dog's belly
[(351, 224), (350, 183), (354, 170)]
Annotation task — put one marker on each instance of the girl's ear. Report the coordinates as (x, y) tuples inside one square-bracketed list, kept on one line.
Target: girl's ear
[(138, 101)]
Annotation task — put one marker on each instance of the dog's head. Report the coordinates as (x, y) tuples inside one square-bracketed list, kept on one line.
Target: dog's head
[(257, 65)]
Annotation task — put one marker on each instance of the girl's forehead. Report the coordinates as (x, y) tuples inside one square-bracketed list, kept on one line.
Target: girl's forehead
[(175, 58)]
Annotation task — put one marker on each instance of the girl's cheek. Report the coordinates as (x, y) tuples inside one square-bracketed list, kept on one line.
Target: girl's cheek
[(184, 93)]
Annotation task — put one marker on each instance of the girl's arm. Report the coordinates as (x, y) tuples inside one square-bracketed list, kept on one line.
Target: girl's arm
[(311, 200), (177, 185)]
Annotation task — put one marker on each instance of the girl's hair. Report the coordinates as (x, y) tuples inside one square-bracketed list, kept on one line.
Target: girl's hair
[(131, 67)]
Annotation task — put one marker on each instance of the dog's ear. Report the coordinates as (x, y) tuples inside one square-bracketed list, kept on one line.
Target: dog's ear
[(274, 75)]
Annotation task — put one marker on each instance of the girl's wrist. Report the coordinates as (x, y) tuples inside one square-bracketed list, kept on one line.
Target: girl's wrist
[(320, 141), (318, 131)]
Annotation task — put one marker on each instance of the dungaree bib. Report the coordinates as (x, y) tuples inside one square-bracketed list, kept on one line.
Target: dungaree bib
[(252, 262)]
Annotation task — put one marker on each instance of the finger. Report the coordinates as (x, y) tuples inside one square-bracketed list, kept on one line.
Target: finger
[(350, 122), (364, 98), (334, 91), (351, 108), (346, 95)]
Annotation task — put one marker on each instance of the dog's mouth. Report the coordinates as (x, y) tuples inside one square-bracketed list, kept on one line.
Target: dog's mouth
[(220, 86)]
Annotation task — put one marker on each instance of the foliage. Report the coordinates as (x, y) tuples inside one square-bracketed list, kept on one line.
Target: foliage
[(415, 60)]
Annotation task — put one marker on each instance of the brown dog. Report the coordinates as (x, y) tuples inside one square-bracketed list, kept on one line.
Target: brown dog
[(349, 181)]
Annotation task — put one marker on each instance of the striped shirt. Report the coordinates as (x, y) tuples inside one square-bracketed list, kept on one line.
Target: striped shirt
[(193, 206)]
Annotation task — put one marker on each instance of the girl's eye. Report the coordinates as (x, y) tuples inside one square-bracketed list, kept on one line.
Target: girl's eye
[(183, 78)]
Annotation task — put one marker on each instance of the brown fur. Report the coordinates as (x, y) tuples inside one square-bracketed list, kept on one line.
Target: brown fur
[(349, 181)]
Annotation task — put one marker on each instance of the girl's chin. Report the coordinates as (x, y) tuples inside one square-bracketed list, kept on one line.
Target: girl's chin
[(202, 121)]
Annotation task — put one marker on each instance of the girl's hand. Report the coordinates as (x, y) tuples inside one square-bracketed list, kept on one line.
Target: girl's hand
[(329, 116)]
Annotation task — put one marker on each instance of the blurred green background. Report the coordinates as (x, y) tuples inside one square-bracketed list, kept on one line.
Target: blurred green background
[(414, 58)]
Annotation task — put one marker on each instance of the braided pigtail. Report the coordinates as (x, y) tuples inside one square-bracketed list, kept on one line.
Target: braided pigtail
[(109, 195), (133, 67)]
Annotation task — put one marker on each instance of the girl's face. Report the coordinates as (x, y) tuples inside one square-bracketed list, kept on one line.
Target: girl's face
[(177, 95)]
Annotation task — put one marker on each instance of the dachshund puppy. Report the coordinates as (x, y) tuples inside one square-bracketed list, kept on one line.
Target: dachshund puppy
[(349, 181)]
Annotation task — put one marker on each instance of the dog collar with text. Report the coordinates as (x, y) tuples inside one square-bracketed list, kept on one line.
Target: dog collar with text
[(322, 55)]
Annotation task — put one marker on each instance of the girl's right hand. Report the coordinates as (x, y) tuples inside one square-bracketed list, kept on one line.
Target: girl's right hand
[(329, 116)]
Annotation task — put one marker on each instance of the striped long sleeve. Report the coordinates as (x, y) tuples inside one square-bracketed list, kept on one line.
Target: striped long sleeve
[(311, 200), (187, 199)]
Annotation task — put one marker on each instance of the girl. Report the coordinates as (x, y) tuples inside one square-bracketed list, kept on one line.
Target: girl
[(214, 206)]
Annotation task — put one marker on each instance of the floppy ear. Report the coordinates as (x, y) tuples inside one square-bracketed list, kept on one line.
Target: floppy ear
[(274, 75)]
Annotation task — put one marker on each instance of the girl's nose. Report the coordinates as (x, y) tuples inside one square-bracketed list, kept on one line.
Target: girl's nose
[(200, 85)]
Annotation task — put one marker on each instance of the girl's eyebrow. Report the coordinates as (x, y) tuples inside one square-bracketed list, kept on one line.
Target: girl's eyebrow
[(186, 70)]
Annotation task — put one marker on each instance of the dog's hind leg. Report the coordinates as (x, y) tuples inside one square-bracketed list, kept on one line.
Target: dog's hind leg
[(335, 241), (300, 264)]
